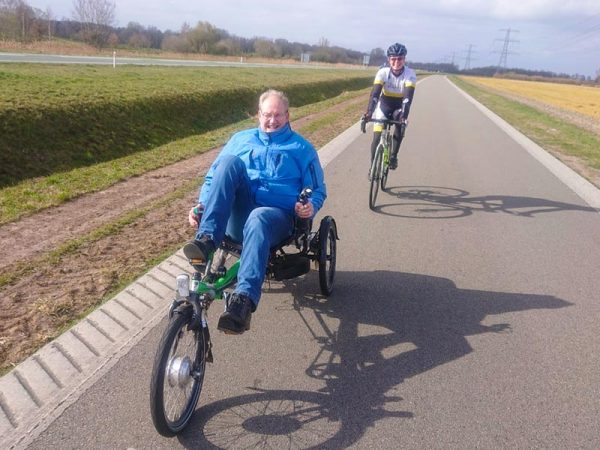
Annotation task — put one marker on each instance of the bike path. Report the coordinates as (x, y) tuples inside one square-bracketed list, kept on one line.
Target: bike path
[(43, 387)]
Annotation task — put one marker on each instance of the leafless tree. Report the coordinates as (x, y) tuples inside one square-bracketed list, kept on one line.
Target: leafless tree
[(49, 17), (96, 18), (16, 17)]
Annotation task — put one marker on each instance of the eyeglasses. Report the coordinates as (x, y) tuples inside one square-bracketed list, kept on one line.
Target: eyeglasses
[(397, 58), (269, 116)]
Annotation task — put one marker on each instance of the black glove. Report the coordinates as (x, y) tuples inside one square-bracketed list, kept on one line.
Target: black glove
[(363, 121)]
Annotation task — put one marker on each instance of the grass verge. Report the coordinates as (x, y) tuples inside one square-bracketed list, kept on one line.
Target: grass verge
[(553, 134), (35, 194), (57, 118)]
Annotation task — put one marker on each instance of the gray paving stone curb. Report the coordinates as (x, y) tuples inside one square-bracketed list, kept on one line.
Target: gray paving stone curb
[(41, 386)]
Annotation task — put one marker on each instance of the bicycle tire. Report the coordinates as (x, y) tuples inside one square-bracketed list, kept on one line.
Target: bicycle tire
[(385, 169), (327, 254), (177, 378), (385, 165), (375, 176)]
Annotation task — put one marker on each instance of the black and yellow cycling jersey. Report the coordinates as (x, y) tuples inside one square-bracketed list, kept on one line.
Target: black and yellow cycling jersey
[(389, 90)]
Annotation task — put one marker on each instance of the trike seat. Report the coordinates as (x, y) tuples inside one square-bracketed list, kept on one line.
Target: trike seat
[(301, 232)]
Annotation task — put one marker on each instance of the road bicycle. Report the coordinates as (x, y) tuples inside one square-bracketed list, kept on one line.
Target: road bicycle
[(380, 165), (185, 346)]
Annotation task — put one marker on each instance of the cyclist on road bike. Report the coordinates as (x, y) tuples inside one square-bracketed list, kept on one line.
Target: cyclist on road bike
[(393, 84), (251, 193)]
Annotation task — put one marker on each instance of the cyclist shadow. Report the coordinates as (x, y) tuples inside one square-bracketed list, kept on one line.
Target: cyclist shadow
[(436, 202), (390, 327)]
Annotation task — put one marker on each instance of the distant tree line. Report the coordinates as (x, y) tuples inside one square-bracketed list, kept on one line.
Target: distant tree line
[(93, 23), (18, 21), (512, 73)]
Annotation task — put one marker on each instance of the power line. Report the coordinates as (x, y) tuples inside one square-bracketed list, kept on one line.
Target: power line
[(504, 53), (468, 58), (571, 33)]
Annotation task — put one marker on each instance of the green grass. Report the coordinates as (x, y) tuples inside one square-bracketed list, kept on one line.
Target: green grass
[(26, 86), (35, 194), (54, 118), (551, 133), (334, 122)]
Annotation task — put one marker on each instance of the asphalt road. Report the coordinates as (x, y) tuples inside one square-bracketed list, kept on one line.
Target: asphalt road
[(465, 315), (119, 60)]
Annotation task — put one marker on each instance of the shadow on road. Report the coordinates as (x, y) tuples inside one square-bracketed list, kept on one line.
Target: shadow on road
[(392, 326), (434, 202)]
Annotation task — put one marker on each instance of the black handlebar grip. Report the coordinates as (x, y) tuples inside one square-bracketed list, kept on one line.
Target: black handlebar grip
[(305, 195)]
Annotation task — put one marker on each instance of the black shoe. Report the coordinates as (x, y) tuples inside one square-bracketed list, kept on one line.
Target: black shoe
[(200, 250), (236, 319), (393, 162)]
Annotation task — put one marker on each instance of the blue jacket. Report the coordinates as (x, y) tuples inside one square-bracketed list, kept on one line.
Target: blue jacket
[(279, 164)]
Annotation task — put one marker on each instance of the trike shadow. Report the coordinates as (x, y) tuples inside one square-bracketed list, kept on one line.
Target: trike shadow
[(436, 202), (390, 326)]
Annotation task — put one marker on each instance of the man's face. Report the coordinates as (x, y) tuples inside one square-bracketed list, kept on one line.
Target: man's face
[(396, 63), (272, 114)]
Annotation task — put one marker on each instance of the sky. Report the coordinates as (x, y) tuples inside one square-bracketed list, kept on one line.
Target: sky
[(561, 36)]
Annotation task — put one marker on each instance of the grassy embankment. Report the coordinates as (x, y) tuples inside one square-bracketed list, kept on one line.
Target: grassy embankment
[(553, 134), (63, 313), (318, 132), (68, 130)]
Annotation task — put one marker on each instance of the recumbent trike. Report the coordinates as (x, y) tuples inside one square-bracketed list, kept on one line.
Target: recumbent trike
[(185, 347)]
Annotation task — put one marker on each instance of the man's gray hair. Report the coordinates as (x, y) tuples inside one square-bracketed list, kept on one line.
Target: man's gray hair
[(275, 93)]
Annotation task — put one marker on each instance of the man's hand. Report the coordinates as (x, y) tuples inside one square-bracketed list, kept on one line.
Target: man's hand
[(194, 215), (304, 210)]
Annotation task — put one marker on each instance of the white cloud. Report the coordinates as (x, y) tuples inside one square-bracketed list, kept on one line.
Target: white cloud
[(513, 9)]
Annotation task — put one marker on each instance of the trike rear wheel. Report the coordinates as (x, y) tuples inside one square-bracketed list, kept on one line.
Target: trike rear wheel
[(327, 254)]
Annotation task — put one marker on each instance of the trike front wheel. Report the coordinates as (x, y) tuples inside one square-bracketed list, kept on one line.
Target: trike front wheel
[(177, 375)]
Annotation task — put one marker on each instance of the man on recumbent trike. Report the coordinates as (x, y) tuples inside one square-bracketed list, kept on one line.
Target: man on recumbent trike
[(250, 193)]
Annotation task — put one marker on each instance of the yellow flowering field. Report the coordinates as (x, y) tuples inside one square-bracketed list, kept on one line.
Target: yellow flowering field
[(581, 99)]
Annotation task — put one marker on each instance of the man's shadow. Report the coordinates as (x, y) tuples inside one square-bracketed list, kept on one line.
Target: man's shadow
[(436, 202), (421, 322)]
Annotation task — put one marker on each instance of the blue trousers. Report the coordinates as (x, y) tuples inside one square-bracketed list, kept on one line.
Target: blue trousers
[(230, 209)]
